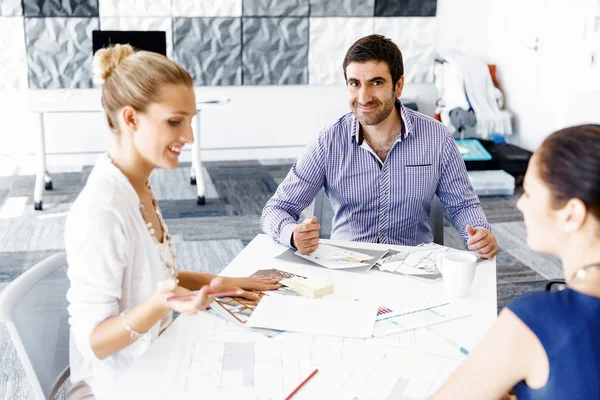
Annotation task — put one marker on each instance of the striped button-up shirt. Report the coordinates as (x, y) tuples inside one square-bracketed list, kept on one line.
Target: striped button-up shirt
[(375, 201)]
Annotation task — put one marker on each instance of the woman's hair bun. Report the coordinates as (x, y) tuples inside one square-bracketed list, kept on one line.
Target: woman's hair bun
[(107, 59)]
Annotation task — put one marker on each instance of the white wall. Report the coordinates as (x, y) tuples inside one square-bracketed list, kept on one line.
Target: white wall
[(463, 25), (259, 121), (548, 88), (545, 87)]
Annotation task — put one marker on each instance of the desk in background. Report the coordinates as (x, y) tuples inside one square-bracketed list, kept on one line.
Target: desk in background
[(70, 103)]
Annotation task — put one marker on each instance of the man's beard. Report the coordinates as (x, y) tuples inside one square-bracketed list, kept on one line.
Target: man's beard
[(382, 112)]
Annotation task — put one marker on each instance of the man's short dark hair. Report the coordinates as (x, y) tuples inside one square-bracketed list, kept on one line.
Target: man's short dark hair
[(376, 48)]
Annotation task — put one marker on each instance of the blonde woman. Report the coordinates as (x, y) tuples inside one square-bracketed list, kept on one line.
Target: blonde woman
[(121, 258), (547, 345)]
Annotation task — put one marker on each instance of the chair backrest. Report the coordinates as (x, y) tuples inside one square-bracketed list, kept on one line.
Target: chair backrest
[(324, 212), (436, 221), (555, 285), (34, 309)]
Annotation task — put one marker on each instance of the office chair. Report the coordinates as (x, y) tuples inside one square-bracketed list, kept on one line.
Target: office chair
[(324, 212), (34, 309), (558, 283)]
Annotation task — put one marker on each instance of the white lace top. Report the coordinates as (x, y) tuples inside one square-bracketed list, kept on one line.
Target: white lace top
[(163, 248), (113, 265)]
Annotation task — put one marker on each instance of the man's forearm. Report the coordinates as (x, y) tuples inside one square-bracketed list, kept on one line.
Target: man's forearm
[(306, 177), (471, 215)]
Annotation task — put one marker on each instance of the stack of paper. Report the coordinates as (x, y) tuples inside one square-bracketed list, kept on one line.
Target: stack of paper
[(416, 263), (308, 287), (419, 262), (334, 257), (318, 317)]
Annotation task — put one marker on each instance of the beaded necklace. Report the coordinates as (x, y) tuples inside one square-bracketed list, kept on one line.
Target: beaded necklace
[(171, 264)]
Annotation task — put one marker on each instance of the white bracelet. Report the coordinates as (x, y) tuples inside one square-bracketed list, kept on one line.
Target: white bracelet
[(133, 334)]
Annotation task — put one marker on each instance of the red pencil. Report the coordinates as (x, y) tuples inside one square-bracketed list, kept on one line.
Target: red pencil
[(302, 384), (222, 294)]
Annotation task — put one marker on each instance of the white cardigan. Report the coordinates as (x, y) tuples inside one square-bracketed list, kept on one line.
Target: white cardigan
[(113, 265)]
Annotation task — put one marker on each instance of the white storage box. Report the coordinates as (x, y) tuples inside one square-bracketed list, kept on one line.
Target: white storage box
[(492, 183)]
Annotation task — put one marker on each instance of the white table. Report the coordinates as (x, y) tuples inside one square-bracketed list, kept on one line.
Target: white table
[(86, 101), (161, 371)]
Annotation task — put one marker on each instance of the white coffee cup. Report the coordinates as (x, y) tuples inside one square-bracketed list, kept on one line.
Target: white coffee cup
[(458, 270)]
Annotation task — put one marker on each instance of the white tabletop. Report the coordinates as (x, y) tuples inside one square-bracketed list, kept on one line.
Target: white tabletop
[(163, 369)]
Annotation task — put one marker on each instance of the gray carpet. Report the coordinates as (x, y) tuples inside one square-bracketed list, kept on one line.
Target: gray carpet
[(208, 238)]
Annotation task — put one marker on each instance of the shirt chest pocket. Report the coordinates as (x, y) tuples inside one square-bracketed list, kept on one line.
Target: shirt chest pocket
[(354, 185), (420, 179)]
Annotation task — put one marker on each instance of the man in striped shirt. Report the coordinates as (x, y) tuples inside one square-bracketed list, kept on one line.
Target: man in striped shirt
[(380, 167)]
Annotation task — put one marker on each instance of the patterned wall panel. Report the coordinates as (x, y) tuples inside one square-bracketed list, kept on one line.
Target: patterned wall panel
[(330, 39), (13, 56), (224, 42), (342, 8), (207, 8), (416, 39), (59, 52), (275, 8), (275, 51), (11, 8), (60, 8), (405, 8), (210, 49), (140, 24), (135, 8)]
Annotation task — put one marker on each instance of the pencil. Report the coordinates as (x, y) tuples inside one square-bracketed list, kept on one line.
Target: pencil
[(460, 348), (302, 384), (222, 294)]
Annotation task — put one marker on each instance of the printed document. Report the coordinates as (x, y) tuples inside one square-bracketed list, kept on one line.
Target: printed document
[(418, 319), (336, 257), (317, 317)]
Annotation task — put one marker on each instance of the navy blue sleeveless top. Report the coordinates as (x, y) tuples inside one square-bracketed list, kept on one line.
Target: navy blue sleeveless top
[(567, 324)]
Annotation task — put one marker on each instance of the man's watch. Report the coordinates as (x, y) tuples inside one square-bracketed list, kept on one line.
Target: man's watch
[(292, 241)]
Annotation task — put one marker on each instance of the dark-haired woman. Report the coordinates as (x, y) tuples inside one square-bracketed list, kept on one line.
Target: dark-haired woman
[(547, 345)]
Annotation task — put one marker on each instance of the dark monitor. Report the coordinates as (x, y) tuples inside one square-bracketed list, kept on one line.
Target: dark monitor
[(155, 41)]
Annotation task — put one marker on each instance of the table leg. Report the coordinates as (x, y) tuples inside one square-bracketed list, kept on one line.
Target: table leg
[(42, 179), (196, 175), (48, 181)]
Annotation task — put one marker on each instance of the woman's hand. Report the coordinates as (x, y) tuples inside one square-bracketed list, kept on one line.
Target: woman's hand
[(190, 303), (246, 286), (509, 396)]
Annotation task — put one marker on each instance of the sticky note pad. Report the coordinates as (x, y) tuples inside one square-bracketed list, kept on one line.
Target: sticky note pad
[(311, 287)]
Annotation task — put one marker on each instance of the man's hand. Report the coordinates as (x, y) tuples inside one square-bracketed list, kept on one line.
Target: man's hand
[(482, 242), (305, 237)]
